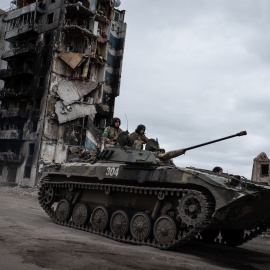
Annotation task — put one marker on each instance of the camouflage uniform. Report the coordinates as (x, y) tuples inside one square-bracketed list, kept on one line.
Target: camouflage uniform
[(135, 140), (170, 154), (110, 134)]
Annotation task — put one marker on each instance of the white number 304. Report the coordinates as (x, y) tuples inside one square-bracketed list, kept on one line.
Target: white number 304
[(111, 171)]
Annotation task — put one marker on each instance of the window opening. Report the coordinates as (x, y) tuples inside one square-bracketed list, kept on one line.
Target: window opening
[(47, 39), (35, 125), (50, 18), (265, 169), (116, 16), (27, 172)]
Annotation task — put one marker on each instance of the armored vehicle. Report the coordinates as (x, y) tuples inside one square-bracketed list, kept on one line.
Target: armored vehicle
[(141, 197)]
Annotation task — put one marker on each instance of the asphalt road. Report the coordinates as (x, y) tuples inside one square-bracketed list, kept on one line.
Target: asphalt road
[(30, 240)]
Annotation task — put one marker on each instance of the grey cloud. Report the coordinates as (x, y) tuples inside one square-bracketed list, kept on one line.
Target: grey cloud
[(196, 71)]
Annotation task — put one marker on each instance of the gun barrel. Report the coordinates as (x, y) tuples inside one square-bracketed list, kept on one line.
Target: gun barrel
[(242, 133)]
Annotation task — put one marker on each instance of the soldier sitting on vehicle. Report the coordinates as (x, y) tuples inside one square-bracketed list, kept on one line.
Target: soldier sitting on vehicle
[(111, 133), (218, 170), (138, 138)]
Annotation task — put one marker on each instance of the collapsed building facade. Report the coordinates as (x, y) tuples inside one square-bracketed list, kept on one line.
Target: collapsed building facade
[(64, 62), (261, 169)]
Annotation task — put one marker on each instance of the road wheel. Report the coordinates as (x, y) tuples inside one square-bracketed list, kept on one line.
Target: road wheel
[(81, 214), (63, 210), (140, 226), (164, 230), (99, 218), (119, 223)]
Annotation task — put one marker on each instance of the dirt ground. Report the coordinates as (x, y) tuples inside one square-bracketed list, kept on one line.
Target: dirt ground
[(30, 240)]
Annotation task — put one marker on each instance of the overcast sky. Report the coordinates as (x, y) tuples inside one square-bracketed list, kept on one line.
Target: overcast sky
[(198, 70), (195, 71)]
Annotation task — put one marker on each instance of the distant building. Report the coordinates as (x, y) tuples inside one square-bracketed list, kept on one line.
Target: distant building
[(3, 44), (260, 170), (64, 62)]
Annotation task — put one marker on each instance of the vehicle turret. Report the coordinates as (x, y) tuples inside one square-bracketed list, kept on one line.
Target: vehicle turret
[(149, 156)]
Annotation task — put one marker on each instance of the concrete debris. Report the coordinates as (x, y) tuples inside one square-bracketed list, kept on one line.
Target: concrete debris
[(21, 190), (68, 92), (10, 134), (73, 111), (72, 91), (84, 88), (76, 31)]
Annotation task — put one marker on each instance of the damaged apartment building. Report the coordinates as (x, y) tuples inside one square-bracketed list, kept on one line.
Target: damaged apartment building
[(63, 68)]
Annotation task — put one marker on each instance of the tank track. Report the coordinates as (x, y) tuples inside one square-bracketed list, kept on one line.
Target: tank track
[(182, 237), (248, 235)]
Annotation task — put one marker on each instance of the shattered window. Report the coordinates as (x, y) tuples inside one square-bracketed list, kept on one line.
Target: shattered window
[(264, 169)]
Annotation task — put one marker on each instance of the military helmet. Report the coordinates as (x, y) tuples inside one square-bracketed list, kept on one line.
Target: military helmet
[(140, 127), (114, 120), (217, 169)]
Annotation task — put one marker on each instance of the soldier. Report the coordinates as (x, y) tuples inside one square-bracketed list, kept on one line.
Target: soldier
[(138, 138), (111, 133), (218, 170)]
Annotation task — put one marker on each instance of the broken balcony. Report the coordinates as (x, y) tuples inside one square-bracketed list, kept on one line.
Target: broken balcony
[(11, 134), (90, 4), (22, 22), (7, 92), (29, 136), (14, 112), (77, 10), (77, 31), (11, 157), (29, 48), (22, 6), (27, 30)]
